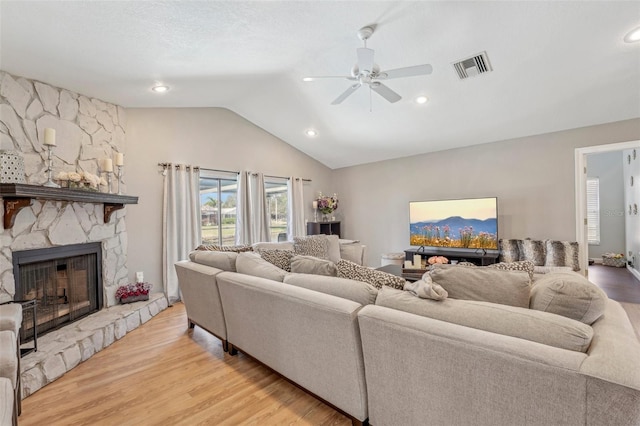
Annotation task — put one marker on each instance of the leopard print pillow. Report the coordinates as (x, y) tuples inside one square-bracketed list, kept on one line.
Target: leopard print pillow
[(353, 271), (312, 245), (523, 265), (216, 247), (280, 258)]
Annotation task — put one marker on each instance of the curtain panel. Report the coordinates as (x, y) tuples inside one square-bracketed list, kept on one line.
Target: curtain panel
[(252, 213), (181, 231), (295, 223)]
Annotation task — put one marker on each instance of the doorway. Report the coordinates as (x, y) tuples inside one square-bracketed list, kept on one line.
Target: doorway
[(581, 177)]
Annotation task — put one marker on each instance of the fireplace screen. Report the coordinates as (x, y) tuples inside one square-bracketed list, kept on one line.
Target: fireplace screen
[(65, 285)]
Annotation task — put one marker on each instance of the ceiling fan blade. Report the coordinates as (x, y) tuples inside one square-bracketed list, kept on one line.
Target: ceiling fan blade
[(312, 78), (385, 92), (346, 94), (365, 60), (406, 72)]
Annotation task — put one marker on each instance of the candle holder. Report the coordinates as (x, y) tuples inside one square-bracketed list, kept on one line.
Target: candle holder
[(315, 215), (50, 183), (109, 182), (120, 179)]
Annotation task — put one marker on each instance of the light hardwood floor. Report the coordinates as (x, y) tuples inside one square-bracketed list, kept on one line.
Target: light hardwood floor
[(162, 374)]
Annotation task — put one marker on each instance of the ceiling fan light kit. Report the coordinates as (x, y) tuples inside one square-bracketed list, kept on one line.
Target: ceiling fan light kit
[(367, 72)]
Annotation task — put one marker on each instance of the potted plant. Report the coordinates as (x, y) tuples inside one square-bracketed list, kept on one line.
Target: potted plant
[(133, 292)]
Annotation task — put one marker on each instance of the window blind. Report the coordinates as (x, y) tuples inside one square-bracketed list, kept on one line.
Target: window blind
[(593, 211)]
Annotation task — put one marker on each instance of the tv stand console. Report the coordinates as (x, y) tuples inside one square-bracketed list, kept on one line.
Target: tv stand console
[(480, 257)]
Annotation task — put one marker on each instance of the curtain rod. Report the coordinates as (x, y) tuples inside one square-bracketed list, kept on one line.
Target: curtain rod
[(230, 171)]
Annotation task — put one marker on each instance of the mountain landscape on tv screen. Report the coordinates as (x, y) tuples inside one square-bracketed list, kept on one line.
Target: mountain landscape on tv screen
[(455, 231)]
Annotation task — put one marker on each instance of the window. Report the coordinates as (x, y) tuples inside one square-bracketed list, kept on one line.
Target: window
[(278, 207), (593, 211), (218, 197)]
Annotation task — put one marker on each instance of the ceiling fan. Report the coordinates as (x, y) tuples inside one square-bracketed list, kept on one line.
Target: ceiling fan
[(366, 72)]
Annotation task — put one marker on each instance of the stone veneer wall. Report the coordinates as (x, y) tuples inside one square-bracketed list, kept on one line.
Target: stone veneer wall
[(87, 131)]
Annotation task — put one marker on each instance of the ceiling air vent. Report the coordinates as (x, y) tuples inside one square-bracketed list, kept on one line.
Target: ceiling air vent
[(473, 66)]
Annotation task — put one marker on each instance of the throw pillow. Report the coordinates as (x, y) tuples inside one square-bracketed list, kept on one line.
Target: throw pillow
[(333, 246), (313, 266), (312, 245), (216, 247), (570, 295), (484, 284), (524, 266), (225, 261), (253, 264), (279, 258), (562, 253), (358, 291), (353, 271), (532, 250), (508, 250), (523, 323)]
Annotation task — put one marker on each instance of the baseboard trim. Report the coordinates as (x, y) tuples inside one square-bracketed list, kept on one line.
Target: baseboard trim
[(634, 272)]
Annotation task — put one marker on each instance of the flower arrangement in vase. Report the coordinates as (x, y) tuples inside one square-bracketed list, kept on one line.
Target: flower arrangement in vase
[(80, 180), (133, 292), (327, 205)]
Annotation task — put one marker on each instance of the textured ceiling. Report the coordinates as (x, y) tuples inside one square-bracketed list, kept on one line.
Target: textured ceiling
[(557, 65)]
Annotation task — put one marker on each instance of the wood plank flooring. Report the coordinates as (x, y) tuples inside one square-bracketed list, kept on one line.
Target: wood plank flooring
[(618, 283), (162, 374)]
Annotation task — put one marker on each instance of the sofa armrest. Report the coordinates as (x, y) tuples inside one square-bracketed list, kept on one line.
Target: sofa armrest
[(201, 297)]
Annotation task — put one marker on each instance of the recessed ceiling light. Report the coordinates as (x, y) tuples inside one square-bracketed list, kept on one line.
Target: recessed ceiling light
[(422, 99), (307, 79), (160, 88), (311, 133), (633, 35)]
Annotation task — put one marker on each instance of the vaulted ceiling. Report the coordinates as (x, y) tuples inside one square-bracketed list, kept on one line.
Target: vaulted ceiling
[(556, 65)]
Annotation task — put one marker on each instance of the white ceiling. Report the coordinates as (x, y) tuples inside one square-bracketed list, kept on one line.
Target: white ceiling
[(557, 65)]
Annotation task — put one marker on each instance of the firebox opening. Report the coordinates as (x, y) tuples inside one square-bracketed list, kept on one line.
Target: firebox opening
[(65, 281)]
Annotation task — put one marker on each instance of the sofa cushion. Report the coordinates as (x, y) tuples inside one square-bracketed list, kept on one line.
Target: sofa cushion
[(568, 294), (253, 264), (358, 291), (353, 251), (312, 245), (353, 271), (562, 253), (215, 247), (532, 250), (522, 266), (313, 265), (509, 251), (225, 260), (523, 323), (483, 284), (279, 258)]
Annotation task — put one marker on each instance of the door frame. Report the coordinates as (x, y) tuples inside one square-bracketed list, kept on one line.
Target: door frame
[(581, 192)]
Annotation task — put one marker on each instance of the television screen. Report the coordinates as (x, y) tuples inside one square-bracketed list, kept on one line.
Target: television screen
[(469, 223)]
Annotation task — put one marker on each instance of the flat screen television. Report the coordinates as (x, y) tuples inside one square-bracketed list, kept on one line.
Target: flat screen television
[(468, 223)]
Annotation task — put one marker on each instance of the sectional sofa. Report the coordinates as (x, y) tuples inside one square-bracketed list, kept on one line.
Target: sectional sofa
[(388, 357)]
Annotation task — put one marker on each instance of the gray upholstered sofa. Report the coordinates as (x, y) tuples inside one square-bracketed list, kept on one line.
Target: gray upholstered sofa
[(394, 359)]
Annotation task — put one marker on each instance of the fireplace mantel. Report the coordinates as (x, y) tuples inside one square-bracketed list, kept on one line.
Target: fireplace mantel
[(16, 196)]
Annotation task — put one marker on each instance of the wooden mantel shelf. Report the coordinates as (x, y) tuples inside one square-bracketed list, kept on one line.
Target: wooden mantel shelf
[(17, 196)]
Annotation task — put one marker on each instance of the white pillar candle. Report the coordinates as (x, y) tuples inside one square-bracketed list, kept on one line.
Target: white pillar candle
[(107, 166), (315, 204), (417, 261), (407, 264), (50, 136), (119, 159)]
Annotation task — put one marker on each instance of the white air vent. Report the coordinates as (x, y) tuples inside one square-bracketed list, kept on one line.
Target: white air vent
[(473, 66)]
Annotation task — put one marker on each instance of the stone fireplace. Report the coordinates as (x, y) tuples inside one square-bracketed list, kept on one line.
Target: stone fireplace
[(65, 282)]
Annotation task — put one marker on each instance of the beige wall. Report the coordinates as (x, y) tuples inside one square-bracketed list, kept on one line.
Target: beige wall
[(533, 178), (213, 138)]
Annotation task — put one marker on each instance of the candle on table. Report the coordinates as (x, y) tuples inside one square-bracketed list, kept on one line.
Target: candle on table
[(119, 159), (407, 264), (107, 166), (417, 261), (315, 204), (50, 136)]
